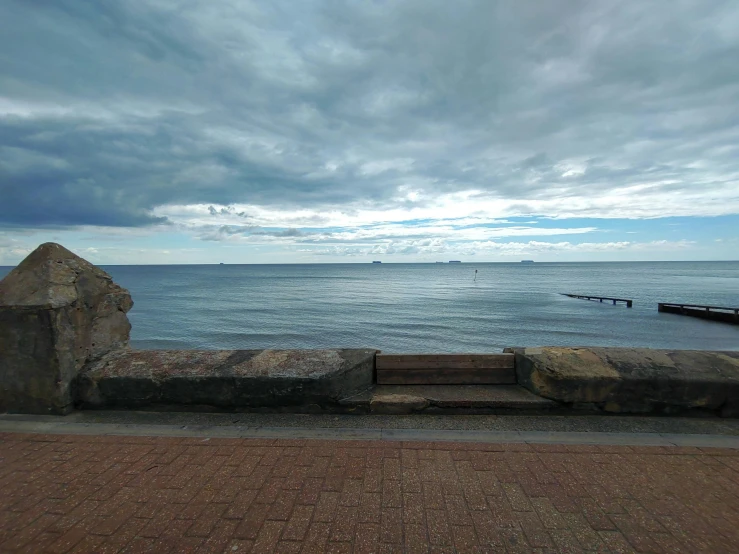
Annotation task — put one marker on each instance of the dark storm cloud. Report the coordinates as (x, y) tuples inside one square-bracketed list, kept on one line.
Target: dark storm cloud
[(110, 109)]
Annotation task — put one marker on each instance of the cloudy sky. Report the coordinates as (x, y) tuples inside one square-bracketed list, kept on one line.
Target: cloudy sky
[(244, 131)]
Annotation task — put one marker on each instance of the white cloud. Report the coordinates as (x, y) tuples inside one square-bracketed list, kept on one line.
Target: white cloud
[(366, 122)]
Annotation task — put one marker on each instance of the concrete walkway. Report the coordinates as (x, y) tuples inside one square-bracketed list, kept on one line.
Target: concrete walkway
[(83, 485), (581, 423), (638, 431), (339, 433)]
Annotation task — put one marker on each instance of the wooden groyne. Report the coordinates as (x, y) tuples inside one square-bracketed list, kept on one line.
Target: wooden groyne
[(628, 302), (713, 313)]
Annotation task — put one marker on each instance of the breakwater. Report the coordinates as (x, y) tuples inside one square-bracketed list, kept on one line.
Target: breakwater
[(711, 313), (629, 303)]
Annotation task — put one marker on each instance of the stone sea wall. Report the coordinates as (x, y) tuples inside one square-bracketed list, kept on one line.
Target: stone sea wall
[(314, 380), (632, 380), (64, 344)]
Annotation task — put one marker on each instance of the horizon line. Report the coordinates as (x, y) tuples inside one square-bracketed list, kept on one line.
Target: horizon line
[(413, 263)]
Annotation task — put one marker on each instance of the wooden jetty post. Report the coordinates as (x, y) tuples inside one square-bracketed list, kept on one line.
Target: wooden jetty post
[(713, 313), (629, 303)]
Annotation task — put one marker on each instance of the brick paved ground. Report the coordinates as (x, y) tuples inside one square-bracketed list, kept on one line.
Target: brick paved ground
[(136, 494)]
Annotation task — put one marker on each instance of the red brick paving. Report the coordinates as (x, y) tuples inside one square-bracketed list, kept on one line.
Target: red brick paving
[(104, 494)]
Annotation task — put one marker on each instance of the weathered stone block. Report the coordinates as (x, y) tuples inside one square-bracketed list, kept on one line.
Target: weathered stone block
[(633, 380), (57, 313), (225, 379)]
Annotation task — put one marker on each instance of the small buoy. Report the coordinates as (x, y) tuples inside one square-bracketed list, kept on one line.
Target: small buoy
[(475, 279)]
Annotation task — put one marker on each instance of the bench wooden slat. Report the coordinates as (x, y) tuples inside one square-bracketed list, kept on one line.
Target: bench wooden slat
[(444, 361), (445, 377)]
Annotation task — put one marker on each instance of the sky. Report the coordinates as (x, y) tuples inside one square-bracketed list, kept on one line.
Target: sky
[(244, 131)]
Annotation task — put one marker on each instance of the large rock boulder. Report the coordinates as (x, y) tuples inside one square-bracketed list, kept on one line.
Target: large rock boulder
[(57, 313), (633, 380)]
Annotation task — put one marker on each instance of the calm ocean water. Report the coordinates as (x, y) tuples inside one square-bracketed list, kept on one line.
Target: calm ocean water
[(425, 307)]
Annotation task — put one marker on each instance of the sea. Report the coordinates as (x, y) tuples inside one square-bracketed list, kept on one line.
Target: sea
[(463, 307)]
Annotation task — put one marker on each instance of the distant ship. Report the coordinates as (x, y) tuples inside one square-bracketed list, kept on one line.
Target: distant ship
[(376, 262), (455, 262), (527, 261), (439, 262)]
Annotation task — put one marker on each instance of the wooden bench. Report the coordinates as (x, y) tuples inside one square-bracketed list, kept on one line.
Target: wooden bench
[(445, 369)]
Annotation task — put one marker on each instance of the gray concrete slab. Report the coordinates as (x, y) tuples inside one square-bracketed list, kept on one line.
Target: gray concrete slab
[(471, 396)]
